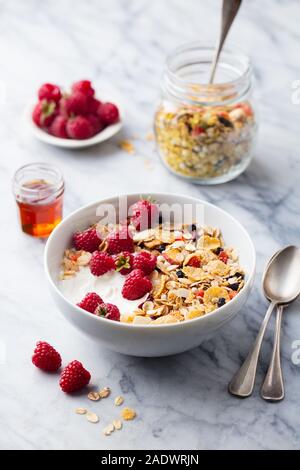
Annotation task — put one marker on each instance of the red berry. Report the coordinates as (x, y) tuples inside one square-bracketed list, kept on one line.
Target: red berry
[(118, 241), (90, 302), (93, 105), (43, 113), (144, 214), (145, 261), (95, 122), (45, 357), (58, 127), (195, 262), (88, 240), (101, 263), (109, 311), (79, 128), (74, 377), (223, 256), (77, 103), (123, 262), (136, 285), (84, 86), (49, 92), (108, 113), (200, 293)]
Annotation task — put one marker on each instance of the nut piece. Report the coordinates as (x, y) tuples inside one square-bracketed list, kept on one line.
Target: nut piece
[(92, 417), (119, 401), (117, 424), (109, 429), (94, 396), (104, 393), (128, 414), (81, 411)]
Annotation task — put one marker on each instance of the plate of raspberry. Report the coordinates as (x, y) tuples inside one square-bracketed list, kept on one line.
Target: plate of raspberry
[(74, 119)]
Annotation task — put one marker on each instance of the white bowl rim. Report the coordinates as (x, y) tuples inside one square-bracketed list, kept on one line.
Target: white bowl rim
[(146, 327)]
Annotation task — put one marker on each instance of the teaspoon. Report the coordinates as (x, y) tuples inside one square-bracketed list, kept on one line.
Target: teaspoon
[(281, 284)]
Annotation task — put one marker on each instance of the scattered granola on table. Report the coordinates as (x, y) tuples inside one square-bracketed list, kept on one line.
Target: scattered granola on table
[(203, 142)]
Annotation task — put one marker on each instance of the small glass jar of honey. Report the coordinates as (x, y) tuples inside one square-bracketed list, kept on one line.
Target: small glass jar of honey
[(39, 189)]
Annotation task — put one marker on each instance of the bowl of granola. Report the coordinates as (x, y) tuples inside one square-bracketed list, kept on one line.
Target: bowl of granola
[(150, 277)]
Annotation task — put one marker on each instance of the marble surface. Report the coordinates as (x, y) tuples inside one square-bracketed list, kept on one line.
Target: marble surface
[(181, 401)]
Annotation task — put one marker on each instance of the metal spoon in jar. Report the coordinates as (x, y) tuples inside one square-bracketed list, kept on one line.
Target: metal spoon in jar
[(281, 284), (229, 11)]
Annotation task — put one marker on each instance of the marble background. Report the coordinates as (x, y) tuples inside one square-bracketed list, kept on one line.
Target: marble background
[(181, 401)]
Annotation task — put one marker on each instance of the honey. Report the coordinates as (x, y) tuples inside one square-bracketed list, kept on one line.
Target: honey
[(39, 200)]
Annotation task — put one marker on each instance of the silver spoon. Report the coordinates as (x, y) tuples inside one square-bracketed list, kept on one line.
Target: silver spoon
[(281, 284), (229, 11)]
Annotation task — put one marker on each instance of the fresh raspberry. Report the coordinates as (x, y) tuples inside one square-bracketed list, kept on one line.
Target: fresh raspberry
[(88, 240), (195, 262), (43, 113), (74, 377), (109, 311), (223, 256), (90, 302), (144, 214), (145, 261), (49, 92), (45, 357), (120, 240), (101, 263), (58, 127), (123, 262), (75, 104), (84, 86), (79, 128), (136, 285), (93, 105), (96, 123), (108, 113)]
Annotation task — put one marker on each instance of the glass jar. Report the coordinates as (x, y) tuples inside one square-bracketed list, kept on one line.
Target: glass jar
[(38, 189), (206, 132)]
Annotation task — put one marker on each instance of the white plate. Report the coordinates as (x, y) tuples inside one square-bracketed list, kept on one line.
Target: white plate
[(106, 134)]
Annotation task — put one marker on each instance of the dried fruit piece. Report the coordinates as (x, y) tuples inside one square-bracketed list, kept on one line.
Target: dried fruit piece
[(128, 414)]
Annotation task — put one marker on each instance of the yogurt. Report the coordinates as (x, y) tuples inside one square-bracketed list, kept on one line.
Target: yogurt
[(108, 286)]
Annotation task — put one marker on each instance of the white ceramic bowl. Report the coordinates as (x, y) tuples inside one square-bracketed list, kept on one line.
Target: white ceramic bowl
[(102, 136), (145, 340)]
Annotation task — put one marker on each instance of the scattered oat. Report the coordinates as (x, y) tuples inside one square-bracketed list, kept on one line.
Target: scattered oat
[(109, 429), (104, 393), (92, 417), (119, 400), (117, 424), (81, 411), (150, 136), (94, 396), (128, 414), (127, 146)]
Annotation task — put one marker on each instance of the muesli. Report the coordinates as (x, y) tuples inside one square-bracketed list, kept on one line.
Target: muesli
[(205, 142), (166, 274)]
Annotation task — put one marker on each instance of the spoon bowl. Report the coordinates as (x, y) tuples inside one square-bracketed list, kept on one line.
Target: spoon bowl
[(281, 280)]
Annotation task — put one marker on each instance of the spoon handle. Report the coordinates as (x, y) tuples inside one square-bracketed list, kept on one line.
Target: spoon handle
[(243, 381), (229, 11), (273, 388)]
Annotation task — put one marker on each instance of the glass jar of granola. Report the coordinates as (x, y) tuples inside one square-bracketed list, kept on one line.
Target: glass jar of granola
[(206, 132)]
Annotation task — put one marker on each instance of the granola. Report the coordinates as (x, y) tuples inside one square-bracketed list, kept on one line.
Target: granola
[(195, 274), (203, 142)]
